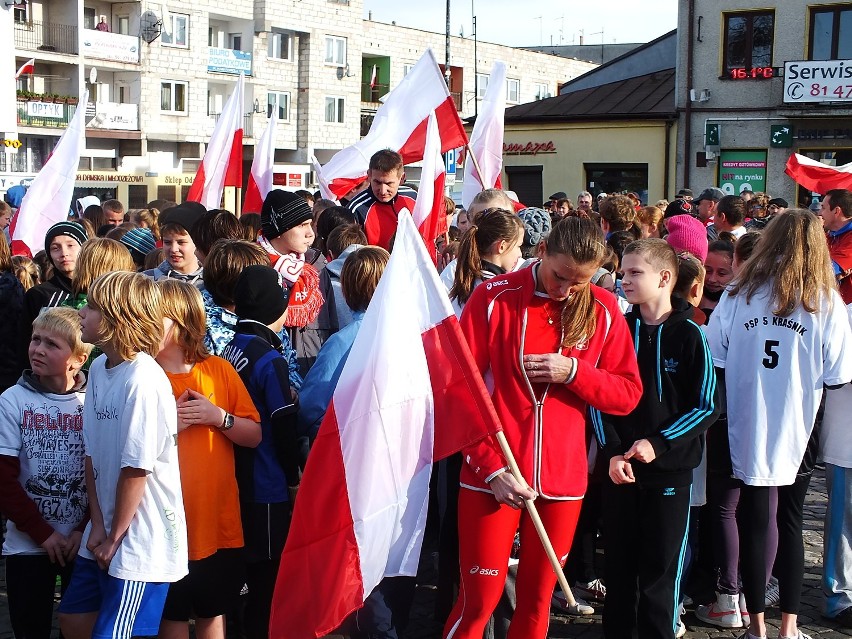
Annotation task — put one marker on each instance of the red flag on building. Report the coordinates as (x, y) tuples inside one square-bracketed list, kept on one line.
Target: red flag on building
[(818, 177), (373, 77), (27, 68), (409, 394)]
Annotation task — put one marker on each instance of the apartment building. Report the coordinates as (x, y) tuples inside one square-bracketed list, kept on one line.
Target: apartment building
[(159, 74), (757, 81)]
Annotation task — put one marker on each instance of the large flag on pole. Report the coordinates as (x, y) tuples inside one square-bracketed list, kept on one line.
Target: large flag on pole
[(429, 208), (49, 197), (324, 189), (818, 177), (409, 394), (222, 164), (260, 177), (400, 125), (486, 139), (27, 68)]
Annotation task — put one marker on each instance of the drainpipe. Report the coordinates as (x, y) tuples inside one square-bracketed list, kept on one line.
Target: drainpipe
[(667, 160), (687, 112)]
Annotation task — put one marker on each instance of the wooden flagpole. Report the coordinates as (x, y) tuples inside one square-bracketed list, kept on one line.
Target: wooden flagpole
[(536, 519)]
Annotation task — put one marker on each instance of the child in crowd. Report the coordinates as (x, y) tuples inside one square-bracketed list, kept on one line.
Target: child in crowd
[(42, 487), (781, 333), (341, 243), (720, 271), (180, 260), (265, 473), (690, 284), (135, 542), (618, 213), (653, 450), (215, 413), (650, 221), (139, 242), (27, 271), (216, 224)]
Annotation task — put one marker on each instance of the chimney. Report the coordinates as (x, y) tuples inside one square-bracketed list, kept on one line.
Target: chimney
[(581, 39), (370, 15)]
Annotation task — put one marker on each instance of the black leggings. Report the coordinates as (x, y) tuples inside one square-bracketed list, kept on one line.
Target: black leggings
[(753, 517), (31, 583)]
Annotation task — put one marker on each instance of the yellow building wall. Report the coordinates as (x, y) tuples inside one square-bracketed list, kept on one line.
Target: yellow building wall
[(577, 143)]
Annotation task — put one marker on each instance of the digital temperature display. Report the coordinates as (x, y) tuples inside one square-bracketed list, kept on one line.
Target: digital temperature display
[(758, 73)]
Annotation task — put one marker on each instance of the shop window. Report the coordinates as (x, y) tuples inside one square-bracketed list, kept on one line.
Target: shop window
[(166, 192), (748, 40), (137, 196), (830, 37), (526, 182)]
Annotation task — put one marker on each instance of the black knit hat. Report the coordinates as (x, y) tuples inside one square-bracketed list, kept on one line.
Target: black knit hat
[(259, 295), (71, 229), (282, 211), (680, 207), (185, 215)]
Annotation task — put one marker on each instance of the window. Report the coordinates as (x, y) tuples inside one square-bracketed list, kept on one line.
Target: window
[(542, 91), (176, 30), (481, 84), (406, 69), (235, 41), (215, 37), (21, 12), (831, 33), (281, 99), (173, 96), (335, 50), (513, 90), (89, 18), (748, 40), (334, 110), (124, 27), (280, 45)]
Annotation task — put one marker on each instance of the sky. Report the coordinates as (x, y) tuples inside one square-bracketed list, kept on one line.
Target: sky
[(535, 22)]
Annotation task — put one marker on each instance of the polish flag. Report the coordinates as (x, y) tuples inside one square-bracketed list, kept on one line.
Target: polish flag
[(27, 68), (400, 124), (223, 161), (429, 207), (818, 177), (325, 191), (373, 77), (486, 139), (49, 197), (409, 394), (260, 177)]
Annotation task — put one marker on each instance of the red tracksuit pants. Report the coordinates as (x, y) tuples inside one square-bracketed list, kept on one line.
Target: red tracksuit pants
[(486, 532)]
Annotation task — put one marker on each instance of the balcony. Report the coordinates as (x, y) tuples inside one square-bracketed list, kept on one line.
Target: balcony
[(229, 61), (45, 114), (373, 93), (46, 36), (112, 116), (248, 123), (116, 47)]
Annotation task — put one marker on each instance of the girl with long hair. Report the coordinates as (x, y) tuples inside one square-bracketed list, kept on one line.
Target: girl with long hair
[(780, 333)]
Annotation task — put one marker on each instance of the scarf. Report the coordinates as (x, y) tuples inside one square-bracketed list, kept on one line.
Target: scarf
[(303, 280)]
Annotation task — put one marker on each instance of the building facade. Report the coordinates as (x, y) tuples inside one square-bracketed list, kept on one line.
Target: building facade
[(757, 81), (163, 72)]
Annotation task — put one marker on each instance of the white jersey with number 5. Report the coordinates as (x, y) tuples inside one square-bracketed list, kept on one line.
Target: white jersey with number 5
[(775, 369)]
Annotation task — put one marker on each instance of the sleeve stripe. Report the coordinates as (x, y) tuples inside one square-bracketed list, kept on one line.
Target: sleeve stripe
[(597, 424), (705, 406)]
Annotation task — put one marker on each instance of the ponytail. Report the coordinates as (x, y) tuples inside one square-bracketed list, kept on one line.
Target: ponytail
[(468, 266)]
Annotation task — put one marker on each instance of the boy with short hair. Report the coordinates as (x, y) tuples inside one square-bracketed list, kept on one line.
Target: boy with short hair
[(42, 489), (135, 542), (341, 243), (180, 259), (653, 450)]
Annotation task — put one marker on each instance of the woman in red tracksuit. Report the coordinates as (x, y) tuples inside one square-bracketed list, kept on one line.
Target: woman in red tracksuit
[(548, 344)]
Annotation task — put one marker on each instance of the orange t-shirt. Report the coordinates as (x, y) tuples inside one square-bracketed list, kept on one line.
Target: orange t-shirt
[(207, 475)]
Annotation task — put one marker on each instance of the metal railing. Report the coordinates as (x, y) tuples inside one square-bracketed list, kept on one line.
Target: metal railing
[(47, 119), (373, 93), (17, 162), (46, 36), (248, 123)]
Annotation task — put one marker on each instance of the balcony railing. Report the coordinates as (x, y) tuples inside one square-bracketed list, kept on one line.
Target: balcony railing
[(46, 36), (248, 123), (15, 162), (373, 93), (46, 114)]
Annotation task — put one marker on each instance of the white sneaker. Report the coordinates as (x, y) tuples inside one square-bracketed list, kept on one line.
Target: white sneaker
[(744, 611), (681, 629), (579, 609), (773, 593), (595, 590), (724, 612)]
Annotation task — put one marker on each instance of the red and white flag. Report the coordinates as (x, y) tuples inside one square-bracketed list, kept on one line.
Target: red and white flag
[(429, 209), (486, 139), (818, 177), (49, 197), (260, 177), (27, 68), (400, 124), (373, 77), (409, 394), (222, 164), (325, 191)]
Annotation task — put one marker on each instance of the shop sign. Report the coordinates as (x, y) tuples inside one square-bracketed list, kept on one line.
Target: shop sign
[(818, 81), (228, 61), (45, 110), (104, 45), (110, 177), (530, 148), (8, 180), (740, 170), (112, 115)]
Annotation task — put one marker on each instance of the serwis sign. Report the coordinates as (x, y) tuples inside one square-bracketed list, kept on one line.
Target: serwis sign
[(818, 81)]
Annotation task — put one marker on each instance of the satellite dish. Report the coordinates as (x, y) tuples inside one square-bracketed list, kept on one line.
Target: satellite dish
[(150, 26), (93, 75)]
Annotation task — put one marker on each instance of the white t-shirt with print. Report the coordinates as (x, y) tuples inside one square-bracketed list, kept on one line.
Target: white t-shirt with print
[(130, 421), (836, 436), (45, 432), (775, 371)]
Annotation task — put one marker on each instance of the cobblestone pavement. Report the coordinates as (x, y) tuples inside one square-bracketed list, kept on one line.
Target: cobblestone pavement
[(423, 626)]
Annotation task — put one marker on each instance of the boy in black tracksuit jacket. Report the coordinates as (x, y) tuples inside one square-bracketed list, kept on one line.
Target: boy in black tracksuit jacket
[(653, 450)]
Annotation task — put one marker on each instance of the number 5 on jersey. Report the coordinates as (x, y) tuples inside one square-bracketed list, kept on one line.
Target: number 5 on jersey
[(771, 359)]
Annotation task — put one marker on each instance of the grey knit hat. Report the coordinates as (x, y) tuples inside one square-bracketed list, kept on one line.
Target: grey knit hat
[(537, 225)]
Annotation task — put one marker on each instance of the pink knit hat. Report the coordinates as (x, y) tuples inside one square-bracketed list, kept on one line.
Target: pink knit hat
[(687, 233)]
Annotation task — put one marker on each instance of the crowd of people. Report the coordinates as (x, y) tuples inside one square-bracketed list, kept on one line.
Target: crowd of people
[(657, 370)]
